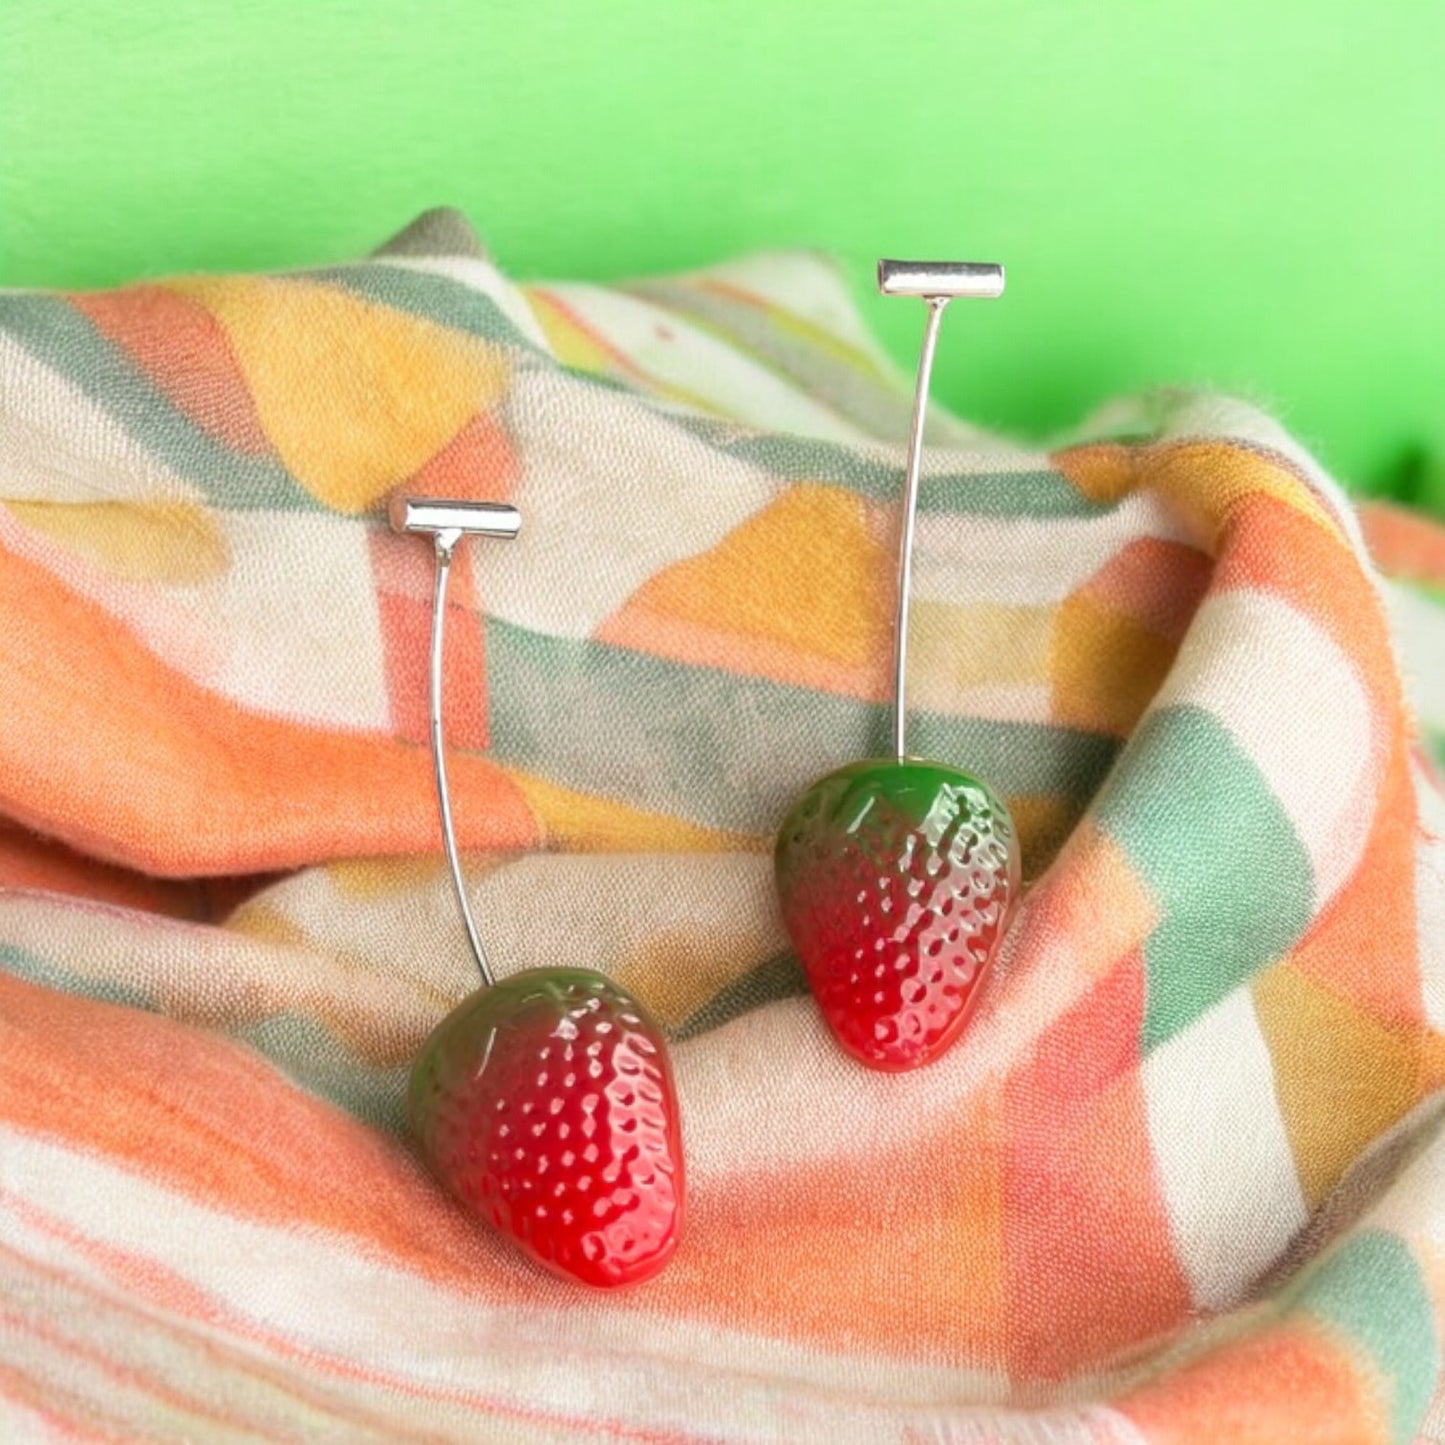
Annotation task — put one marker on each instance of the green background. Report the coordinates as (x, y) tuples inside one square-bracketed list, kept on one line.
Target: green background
[(1244, 195)]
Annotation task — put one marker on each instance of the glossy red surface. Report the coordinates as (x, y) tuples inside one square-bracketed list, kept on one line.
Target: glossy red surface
[(546, 1105), (896, 881)]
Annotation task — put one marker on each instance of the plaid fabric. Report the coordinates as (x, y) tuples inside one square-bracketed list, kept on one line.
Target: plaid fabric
[(1183, 1180)]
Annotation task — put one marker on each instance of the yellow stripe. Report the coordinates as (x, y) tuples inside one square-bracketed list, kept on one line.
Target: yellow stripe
[(354, 396), (583, 823), (168, 542)]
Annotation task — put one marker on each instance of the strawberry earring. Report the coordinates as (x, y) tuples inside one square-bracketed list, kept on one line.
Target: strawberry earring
[(897, 876), (543, 1102)]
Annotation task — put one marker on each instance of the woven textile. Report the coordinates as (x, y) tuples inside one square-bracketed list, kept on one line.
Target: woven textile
[(1183, 1179)]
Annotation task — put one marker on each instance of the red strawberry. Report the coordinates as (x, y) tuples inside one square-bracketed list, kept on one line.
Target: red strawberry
[(545, 1104), (897, 879)]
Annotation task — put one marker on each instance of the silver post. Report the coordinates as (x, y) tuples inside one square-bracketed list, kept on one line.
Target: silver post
[(447, 523), (937, 283)]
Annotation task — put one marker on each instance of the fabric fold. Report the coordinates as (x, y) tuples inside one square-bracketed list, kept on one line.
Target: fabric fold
[(1183, 1176)]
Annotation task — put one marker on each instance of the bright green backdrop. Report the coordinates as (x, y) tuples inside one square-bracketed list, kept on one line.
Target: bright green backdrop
[(1244, 193)]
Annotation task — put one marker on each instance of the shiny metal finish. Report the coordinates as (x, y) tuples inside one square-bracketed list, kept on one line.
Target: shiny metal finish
[(431, 516), (448, 523), (937, 282), (981, 280), (445, 545), (910, 525)]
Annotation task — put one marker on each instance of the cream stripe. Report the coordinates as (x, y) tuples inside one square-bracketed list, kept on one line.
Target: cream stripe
[(806, 284), (57, 445), (225, 978), (1027, 561), (1430, 926), (591, 1356), (1410, 1206), (1418, 625), (1060, 1425), (609, 497), (27, 1427), (1224, 1159), (1430, 895), (290, 627), (1016, 703), (673, 350), (836, 1110)]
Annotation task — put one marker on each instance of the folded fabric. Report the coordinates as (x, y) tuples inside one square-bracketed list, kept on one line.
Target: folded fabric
[(1185, 1177)]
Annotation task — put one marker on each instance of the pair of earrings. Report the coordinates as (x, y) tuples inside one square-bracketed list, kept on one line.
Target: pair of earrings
[(544, 1102)]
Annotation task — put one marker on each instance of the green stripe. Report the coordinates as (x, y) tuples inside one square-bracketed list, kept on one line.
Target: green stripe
[(306, 1052), (1370, 1289), (777, 978), (22, 964), (1031, 494), (440, 299), (58, 334), (1205, 830), (300, 1046), (1041, 493), (52, 330), (728, 751)]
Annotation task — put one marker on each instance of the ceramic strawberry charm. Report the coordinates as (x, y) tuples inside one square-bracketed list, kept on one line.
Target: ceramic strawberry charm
[(897, 876), (544, 1101)]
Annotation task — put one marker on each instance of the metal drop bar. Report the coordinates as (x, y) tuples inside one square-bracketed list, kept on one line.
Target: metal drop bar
[(447, 523), (936, 283)]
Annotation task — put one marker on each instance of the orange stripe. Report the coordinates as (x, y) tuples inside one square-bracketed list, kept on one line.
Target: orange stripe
[(1208, 482), (160, 774), (299, 1383), (44, 1400), (1091, 1264), (32, 862), (698, 645), (140, 1279), (152, 1386), (479, 464), (207, 1119), (402, 573), (1157, 583), (204, 1116), (182, 349), (929, 1284), (1374, 916), (1288, 1382), (1404, 543), (1277, 549)]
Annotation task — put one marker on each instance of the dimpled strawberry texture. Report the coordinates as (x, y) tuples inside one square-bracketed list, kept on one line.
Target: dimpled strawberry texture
[(896, 881), (546, 1105)]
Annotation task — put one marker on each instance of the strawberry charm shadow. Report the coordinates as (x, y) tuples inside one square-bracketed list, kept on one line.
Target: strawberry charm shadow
[(544, 1102), (897, 876)]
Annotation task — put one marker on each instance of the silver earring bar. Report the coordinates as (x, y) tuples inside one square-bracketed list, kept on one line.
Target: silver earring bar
[(937, 283), (447, 523)]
